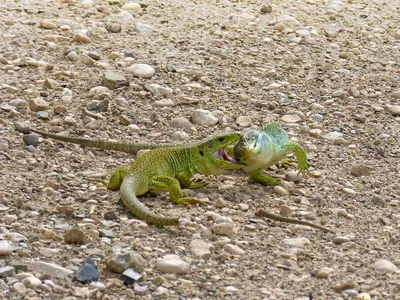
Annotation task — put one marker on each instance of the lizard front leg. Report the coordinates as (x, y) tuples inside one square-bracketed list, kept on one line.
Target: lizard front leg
[(186, 183), (174, 189), (261, 178), (301, 156)]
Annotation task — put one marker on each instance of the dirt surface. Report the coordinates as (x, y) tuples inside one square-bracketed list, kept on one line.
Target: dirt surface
[(329, 71)]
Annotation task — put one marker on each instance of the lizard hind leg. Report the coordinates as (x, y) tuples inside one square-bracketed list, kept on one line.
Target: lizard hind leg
[(301, 156), (115, 179), (174, 190), (186, 183)]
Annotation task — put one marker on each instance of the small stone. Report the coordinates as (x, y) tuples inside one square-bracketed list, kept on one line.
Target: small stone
[(172, 263), (243, 207), (333, 135), (164, 103), (204, 117), (19, 288), (114, 28), (140, 290), (48, 25), (324, 272), (266, 9), (297, 242), (243, 121), (377, 200), (340, 141), (315, 132), (225, 228), (75, 236), (98, 285), (51, 83), (273, 86), (180, 136), (32, 282), (106, 233), (350, 292), (384, 266), (134, 128), (341, 239), (290, 118), (30, 139), (73, 56), (359, 170), (285, 210), (7, 271), (123, 259), (130, 276), (180, 122), (38, 104), (279, 26), (143, 28), (397, 35), (280, 190), (294, 176), (362, 296), (87, 60), (159, 90), (395, 110), (113, 80), (131, 6), (349, 191), (5, 247), (233, 249), (49, 269), (346, 286), (81, 38), (198, 248), (331, 30), (141, 70)]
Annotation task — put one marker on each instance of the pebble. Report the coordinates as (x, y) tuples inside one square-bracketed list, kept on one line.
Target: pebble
[(121, 260), (362, 296), (81, 38), (141, 70), (225, 228), (290, 118), (30, 139), (7, 271), (233, 249), (180, 136), (294, 176), (349, 191), (159, 90), (130, 276), (48, 25), (172, 263), (350, 292), (280, 190), (50, 269), (38, 104), (32, 282), (279, 26), (333, 135), (114, 80), (180, 122), (340, 240), (5, 248), (243, 121), (133, 128), (3, 147), (297, 242), (243, 207), (359, 170), (395, 110), (376, 199), (324, 272), (204, 117), (131, 6), (199, 248), (19, 288), (346, 286), (75, 236), (98, 285), (384, 266), (88, 272), (143, 28)]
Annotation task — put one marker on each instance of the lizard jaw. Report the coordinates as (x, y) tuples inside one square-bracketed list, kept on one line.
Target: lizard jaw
[(221, 154)]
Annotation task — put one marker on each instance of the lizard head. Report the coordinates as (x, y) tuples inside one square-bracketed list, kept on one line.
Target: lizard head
[(254, 150), (210, 156)]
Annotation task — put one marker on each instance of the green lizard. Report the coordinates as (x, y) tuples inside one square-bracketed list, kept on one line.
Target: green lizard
[(260, 149), (170, 169)]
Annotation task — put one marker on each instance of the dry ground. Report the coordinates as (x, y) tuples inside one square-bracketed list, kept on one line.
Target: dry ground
[(330, 72)]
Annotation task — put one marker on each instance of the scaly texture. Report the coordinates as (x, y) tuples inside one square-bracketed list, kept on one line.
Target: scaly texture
[(260, 149), (169, 169), (264, 213)]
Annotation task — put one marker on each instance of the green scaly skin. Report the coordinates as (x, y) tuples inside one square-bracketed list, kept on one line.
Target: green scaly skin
[(170, 169), (260, 149)]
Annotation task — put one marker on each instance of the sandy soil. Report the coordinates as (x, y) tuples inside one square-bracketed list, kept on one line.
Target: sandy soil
[(328, 71)]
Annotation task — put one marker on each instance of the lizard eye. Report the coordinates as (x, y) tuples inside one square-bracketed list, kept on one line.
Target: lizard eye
[(221, 139), (201, 153)]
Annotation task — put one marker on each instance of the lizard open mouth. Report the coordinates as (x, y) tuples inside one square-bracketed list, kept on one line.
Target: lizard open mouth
[(221, 154)]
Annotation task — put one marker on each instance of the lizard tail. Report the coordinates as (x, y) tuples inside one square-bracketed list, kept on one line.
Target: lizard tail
[(128, 197)]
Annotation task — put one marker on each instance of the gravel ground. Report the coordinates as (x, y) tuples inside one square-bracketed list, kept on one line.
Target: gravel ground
[(181, 70)]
